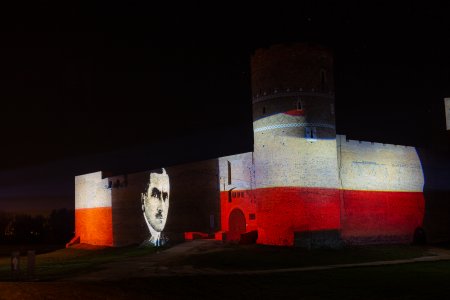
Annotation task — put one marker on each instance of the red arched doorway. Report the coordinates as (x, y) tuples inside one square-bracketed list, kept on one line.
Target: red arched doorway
[(236, 224)]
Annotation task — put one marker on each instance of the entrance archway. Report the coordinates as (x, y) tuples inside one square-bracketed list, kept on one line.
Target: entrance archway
[(236, 224)]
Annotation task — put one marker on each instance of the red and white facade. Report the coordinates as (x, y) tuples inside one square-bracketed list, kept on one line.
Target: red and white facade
[(93, 210), (366, 192), (304, 180), (301, 182)]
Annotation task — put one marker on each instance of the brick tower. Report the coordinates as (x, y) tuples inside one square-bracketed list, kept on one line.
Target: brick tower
[(295, 156)]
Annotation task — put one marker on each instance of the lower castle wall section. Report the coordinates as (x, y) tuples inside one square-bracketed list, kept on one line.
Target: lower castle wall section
[(127, 216), (242, 200), (94, 225), (289, 190), (285, 211), (195, 194), (156, 206), (236, 194), (373, 217), (296, 181), (382, 192)]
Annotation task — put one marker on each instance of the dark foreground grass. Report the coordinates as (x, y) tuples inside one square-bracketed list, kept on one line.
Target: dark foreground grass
[(412, 281), (65, 263), (425, 280), (72, 261), (260, 257)]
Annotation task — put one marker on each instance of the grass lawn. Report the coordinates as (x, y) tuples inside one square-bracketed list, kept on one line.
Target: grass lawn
[(76, 261), (425, 280), (59, 263), (260, 257), (412, 281)]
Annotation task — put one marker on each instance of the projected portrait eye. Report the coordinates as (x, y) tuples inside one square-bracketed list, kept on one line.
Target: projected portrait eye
[(155, 203), (156, 193)]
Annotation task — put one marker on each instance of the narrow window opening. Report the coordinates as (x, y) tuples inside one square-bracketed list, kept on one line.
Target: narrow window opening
[(229, 172), (299, 105), (323, 79), (211, 221), (311, 134), (231, 195), (116, 184), (264, 110)]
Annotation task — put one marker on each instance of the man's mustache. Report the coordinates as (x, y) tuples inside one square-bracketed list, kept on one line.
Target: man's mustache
[(159, 215)]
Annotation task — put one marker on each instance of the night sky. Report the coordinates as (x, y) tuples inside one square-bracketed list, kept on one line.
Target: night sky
[(132, 86)]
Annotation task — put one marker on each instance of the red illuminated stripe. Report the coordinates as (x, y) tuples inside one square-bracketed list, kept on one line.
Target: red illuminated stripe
[(376, 214), (94, 225), (243, 203), (285, 210), (360, 215)]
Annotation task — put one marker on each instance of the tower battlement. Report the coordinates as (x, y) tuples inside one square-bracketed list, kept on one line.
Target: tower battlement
[(294, 66)]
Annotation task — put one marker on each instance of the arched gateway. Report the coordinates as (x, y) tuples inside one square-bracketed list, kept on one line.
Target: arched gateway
[(236, 224)]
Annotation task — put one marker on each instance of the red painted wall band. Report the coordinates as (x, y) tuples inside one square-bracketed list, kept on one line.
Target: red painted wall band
[(94, 225), (371, 215), (367, 216)]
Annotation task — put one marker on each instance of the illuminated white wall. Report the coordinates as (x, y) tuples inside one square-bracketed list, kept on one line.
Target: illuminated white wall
[(241, 167), (92, 191), (368, 166), (284, 157)]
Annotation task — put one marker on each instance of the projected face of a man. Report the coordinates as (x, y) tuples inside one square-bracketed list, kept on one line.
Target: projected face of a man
[(156, 201)]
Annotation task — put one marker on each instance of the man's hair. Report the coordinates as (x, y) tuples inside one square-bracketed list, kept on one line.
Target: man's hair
[(144, 194)]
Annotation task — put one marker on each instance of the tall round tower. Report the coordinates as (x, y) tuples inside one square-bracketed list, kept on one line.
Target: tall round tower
[(295, 156)]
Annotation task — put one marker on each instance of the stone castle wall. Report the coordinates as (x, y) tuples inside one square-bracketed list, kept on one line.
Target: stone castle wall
[(93, 210), (302, 184), (109, 210), (381, 191)]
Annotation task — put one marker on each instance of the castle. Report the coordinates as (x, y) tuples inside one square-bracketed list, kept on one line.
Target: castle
[(302, 185)]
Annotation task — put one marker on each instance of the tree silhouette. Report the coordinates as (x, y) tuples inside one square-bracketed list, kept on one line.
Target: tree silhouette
[(56, 228)]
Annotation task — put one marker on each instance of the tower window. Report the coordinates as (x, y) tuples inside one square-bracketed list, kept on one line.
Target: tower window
[(299, 104), (229, 172), (311, 134), (323, 77)]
